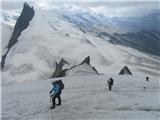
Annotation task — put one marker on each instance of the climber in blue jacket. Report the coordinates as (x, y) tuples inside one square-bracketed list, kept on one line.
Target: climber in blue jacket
[(55, 93)]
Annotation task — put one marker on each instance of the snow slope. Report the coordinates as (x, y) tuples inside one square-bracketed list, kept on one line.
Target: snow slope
[(84, 98), (81, 70), (49, 38), (6, 33)]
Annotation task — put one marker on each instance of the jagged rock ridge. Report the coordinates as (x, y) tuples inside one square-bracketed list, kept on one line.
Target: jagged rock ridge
[(60, 72), (21, 24), (59, 67)]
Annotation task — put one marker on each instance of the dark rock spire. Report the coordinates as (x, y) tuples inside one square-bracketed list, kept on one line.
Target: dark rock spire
[(21, 24)]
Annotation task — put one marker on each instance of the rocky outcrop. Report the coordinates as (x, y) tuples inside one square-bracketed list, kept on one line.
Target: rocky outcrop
[(83, 67), (21, 24), (59, 72), (125, 71), (86, 60)]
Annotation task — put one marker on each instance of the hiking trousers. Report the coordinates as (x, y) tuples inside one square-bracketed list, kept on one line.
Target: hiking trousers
[(110, 87), (54, 98)]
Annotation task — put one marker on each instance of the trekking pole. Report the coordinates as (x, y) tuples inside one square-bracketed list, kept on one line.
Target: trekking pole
[(50, 98)]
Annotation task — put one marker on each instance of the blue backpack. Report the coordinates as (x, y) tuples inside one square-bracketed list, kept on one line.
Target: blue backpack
[(60, 83)]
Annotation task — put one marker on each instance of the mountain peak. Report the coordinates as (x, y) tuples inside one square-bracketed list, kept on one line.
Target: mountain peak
[(21, 24), (86, 60)]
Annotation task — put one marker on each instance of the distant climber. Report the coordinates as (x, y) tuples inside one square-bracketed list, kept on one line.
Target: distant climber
[(147, 78), (110, 83), (55, 92), (146, 84)]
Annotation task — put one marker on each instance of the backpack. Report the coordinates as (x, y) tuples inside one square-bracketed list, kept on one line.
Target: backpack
[(111, 81), (61, 84)]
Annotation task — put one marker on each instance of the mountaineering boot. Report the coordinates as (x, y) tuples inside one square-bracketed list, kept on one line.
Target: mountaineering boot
[(52, 107), (58, 104)]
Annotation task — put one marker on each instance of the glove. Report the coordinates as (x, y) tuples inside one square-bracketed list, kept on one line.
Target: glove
[(52, 95)]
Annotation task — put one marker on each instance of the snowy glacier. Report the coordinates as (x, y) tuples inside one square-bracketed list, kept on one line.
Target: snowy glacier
[(84, 98)]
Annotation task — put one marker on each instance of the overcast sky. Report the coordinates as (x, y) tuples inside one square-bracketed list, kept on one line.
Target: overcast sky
[(81, 0), (111, 8)]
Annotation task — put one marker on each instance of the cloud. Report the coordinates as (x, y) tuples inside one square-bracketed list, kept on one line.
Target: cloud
[(119, 8), (84, 0), (124, 9)]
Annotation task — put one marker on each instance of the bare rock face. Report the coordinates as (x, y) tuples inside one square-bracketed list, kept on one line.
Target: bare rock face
[(59, 68), (21, 24), (86, 60)]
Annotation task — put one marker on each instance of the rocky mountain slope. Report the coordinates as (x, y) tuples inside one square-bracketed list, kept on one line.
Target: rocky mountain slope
[(21, 24)]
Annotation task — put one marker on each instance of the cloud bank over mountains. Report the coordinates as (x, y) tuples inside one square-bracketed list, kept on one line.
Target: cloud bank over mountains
[(117, 8)]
